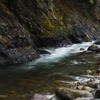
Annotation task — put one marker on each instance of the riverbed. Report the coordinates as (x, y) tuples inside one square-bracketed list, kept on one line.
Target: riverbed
[(62, 66)]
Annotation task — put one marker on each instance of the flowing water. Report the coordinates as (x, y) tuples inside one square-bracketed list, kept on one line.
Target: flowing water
[(63, 65)]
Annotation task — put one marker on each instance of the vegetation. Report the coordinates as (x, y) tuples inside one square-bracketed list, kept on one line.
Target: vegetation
[(91, 1)]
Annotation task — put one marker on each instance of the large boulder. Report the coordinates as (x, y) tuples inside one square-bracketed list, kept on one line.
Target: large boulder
[(70, 94), (94, 48)]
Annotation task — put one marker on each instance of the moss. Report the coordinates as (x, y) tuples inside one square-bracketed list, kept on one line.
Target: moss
[(53, 25), (46, 24)]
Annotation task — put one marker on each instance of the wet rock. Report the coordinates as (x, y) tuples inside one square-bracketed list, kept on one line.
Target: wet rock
[(77, 99), (97, 43), (98, 71), (88, 72), (87, 88), (70, 94), (93, 84), (94, 48), (39, 97), (55, 98), (82, 49), (42, 52), (97, 94)]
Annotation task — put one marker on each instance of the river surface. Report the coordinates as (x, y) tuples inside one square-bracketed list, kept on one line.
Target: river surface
[(63, 65)]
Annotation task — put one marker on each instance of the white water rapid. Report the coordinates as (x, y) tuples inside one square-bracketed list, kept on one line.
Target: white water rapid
[(58, 53)]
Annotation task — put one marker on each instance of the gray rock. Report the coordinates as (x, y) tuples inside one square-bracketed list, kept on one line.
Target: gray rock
[(94, 48)]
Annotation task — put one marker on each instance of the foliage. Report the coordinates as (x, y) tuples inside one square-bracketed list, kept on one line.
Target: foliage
[(91, 1)]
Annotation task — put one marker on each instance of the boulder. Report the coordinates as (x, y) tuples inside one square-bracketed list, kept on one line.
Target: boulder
[(97, 94), (94, 48), (39, 97), (70, 94)]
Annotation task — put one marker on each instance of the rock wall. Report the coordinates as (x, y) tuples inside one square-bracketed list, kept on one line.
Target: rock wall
[(16, 45), (57, 22), (25, 25)]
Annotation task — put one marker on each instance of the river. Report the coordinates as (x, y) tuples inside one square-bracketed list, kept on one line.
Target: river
[(63, 65)]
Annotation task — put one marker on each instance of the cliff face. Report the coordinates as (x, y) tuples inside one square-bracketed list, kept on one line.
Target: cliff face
[(16, 45), (58, 22), (48, 22)]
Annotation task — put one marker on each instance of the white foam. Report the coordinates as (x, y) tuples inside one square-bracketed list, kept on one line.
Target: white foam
[(58, 53)]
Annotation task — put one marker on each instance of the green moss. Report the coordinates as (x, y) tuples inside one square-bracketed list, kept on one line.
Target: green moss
[(53, 25), (91, 1), (46, 24)]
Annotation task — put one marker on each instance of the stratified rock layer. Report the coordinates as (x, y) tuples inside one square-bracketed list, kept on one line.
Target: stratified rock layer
[(16, 45)]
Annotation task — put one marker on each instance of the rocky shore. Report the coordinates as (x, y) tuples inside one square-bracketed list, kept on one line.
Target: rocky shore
[(86, 89), (83, 90)]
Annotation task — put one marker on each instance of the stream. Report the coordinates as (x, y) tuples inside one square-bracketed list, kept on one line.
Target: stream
[(63, 65)]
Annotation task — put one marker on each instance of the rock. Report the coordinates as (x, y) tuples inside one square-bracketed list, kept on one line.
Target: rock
[(16, 45), (78, 99), (55, 98), (70, 94), (96, 9), (94, 84), (98, 71), (80, 87), (42, 52), (97, 43), (39, 97), (88, 72), (3, 96), (94, 48), (87, 88), (97, 94), (82, 49)]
